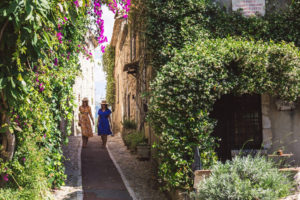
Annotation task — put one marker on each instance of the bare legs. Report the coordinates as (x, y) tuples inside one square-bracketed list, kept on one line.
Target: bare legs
[(84, 141), (104, 140)]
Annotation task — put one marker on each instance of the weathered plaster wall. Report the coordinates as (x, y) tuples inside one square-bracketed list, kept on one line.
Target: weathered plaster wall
[(281, 128), (125, 83)]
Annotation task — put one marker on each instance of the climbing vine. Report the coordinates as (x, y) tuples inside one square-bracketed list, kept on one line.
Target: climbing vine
[(40, 42), (201, 52), (108, 61)]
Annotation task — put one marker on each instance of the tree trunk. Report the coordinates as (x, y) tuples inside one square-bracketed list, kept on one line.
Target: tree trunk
[(8, 142)]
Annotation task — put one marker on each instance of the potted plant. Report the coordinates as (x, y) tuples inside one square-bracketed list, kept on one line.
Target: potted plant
[(143, 150)]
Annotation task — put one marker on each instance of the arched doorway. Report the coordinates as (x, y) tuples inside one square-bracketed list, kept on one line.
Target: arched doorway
[(239, 123)]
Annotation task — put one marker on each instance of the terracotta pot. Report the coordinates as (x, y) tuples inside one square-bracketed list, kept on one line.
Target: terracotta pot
[(279, 152), (143, 151)]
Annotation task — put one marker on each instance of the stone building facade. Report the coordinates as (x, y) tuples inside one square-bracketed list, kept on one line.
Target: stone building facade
[(132, 75), (259, 122), (84, 85)]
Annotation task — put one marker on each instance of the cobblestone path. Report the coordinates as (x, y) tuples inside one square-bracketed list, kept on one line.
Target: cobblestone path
[(139, 175), (100, 178)]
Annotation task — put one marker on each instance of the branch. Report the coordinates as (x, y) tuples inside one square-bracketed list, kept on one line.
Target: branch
[(2, 29), (3, 100)]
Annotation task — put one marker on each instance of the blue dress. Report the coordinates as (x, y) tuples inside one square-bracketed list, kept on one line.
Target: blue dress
[(104, 128)]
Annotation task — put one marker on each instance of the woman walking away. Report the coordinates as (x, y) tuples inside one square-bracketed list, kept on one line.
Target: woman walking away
[(104, 122), (84, 121)]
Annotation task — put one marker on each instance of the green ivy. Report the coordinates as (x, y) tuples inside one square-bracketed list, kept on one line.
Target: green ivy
[(201, 52), (36, 78), (108, 61)]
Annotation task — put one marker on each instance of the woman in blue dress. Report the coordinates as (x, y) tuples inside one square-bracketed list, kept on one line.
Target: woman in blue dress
[(104, 122)]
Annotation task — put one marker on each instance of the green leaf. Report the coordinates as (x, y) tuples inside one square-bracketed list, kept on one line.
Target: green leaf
[(12, 82), (34, 41), (3, 83), (3, 129), (29, 10)]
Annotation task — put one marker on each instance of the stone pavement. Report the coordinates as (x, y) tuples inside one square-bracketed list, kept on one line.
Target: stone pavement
[(101, 180), (139, 175), (73, 188)]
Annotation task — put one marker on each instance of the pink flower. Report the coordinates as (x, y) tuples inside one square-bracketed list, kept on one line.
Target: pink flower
[(24, 159), (5, 177), (76, 3), (44, 135), (66, 19), (59, 35), (102, 49), (55, 62), (42, 88)]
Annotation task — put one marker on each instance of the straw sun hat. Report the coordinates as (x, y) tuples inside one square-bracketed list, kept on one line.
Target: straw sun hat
[(85, 99), (103, 102)]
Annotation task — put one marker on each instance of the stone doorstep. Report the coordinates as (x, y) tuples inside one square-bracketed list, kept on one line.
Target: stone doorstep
[(199, 175)]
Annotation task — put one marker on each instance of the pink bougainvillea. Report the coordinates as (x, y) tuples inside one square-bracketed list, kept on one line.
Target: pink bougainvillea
[(113, 6), (76, 3), (5, 177)]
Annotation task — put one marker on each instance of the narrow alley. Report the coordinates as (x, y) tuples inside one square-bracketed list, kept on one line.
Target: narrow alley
[(96, 173)]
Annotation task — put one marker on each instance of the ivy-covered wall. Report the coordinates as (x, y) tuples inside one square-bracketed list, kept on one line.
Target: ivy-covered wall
[(201, 52)]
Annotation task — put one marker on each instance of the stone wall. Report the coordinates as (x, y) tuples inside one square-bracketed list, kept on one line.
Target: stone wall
[(132, 75), (281, 127), (125, 102)]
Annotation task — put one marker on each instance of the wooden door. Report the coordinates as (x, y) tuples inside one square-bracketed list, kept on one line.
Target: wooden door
[(239, 123)]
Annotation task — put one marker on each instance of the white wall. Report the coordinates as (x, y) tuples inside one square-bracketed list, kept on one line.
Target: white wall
[(84, 87)]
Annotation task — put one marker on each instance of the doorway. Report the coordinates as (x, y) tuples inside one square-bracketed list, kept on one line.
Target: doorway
[(239, 123)]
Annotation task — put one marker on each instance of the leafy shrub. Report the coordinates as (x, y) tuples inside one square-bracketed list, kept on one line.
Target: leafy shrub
[(26, 180), (129, 124), (133, 139), (201, 52), (245, 178), (184, 92)]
